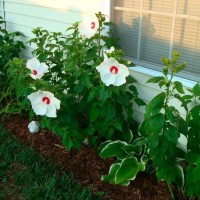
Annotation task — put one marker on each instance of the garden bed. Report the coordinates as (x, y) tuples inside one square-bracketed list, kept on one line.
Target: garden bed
[(86, 167)]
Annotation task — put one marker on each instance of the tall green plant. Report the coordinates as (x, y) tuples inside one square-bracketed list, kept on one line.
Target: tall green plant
[(193, 145), (163, 124)]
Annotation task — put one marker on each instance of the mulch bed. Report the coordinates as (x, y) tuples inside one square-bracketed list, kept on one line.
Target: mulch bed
[(86, 167)]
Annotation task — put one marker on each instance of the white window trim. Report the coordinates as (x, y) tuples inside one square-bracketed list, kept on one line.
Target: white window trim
[(150, 72)]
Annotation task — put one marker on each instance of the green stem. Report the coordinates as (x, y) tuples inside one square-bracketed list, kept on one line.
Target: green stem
[(171, 192)]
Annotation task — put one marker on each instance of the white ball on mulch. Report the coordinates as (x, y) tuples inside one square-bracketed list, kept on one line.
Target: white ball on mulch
[(34, 127)]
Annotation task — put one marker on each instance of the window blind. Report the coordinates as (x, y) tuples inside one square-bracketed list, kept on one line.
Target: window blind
[(151, 29)]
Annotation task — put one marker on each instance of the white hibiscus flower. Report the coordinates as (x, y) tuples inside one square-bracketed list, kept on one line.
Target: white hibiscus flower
[(89, 26), (44, 103), (38, 69), (112, 72)]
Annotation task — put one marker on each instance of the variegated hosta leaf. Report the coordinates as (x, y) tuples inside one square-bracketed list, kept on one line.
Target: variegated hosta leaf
[(128, 170), (114, 149), (111, 175)]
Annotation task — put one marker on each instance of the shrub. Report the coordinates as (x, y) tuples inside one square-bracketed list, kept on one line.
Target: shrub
[(79, 85), (10, 47)]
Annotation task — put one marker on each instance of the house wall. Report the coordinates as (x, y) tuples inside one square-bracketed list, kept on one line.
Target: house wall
[(53, 15), (1, 8), (57, 15)]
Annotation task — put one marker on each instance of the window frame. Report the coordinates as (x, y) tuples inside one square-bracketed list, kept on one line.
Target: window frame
[(147, 69)]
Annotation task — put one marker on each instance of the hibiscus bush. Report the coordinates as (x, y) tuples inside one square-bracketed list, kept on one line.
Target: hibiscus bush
[(10, 47), (78, 84)]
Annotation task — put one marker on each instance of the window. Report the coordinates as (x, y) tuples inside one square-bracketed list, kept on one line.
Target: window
[(151, 29)]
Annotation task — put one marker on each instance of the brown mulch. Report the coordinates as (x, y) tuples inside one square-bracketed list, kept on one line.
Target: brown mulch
[(86, 167)]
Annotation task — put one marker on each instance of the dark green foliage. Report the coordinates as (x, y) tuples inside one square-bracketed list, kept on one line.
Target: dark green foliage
[(10, 47), (163, 124), (89, 108)]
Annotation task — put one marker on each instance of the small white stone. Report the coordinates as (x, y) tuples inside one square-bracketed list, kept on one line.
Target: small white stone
[(86, 142), (34, 127)]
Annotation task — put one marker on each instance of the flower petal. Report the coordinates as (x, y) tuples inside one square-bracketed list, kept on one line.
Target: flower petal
[(123, 70), (39, 109), (108, 79), (51, 111), (43, 68), (34, 98), (33, 63), (55, 102), (119, 80)]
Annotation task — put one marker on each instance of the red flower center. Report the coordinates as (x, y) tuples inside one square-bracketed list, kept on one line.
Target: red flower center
[(34, 72), (46, 100), (93, 25), (114, 70)]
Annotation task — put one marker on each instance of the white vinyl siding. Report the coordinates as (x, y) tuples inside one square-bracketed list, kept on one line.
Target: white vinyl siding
[(1, 8), (53, 15), (151, 29)]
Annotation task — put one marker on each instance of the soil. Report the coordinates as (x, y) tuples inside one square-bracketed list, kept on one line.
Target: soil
[(87, 168)]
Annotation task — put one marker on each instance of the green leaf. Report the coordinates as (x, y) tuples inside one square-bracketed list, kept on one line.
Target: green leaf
[(182, 126), (66, 139), (140, 141), (155, 105), (196, 90), (171, 133), (105, 93), (139, 102), (130, 148), (114, 149), (102, 145), (128, 169), (152, 128), (133, 89), (78, 89), (172, 114), (171, 174), (155, 124), (161, 83), (93, 94), (179, 87), (85, 80), (94, 113), (156, 79), (184, 103), (70, 66), (111, 174), (127, 135), (108, 111)]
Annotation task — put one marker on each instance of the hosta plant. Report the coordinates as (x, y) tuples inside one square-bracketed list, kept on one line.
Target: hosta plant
[(79, 85), (131, 158)]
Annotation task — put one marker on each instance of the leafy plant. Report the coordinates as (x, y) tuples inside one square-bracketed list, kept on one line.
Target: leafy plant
[(193, 147), (130, 159), (90, 105), (163, 124), (10, 47)]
